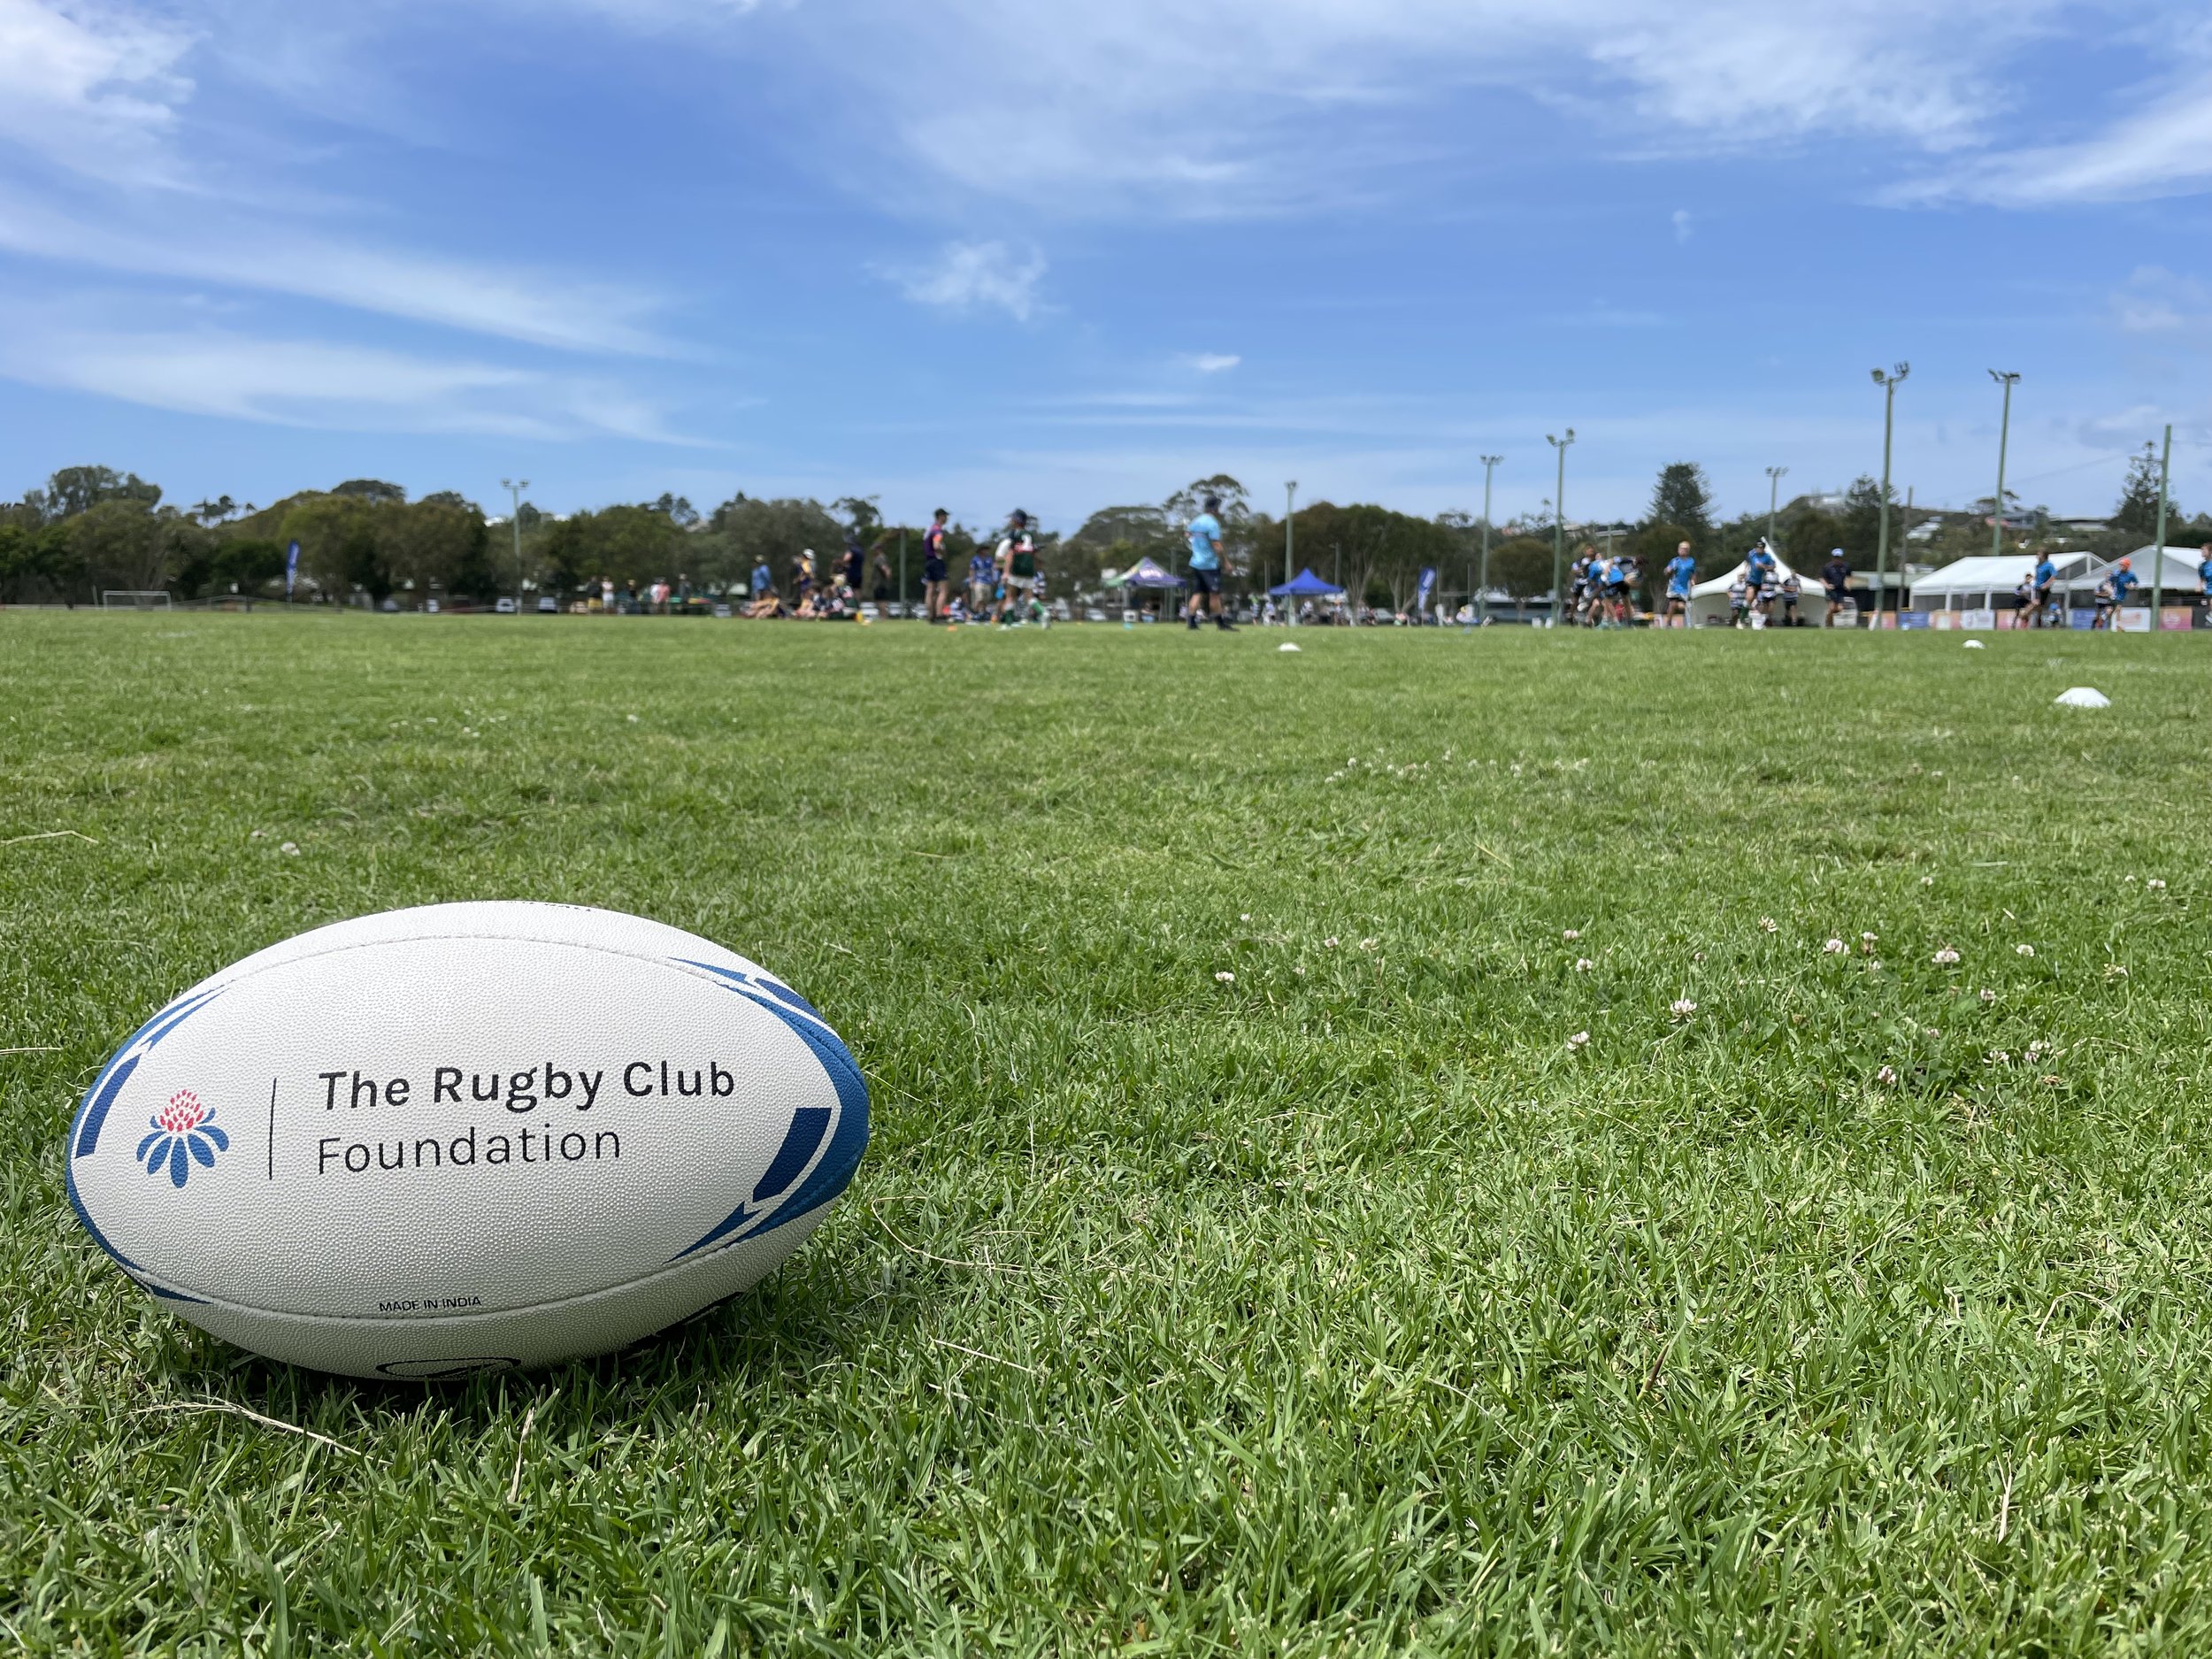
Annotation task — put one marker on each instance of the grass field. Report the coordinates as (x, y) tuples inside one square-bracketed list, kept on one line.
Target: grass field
[(1352, 1306)]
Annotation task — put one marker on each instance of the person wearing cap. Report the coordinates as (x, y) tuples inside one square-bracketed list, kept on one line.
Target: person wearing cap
[(1204, 533), (1835, 576)]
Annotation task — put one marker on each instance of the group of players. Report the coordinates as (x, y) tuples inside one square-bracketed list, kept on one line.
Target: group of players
[(1003, 584), (1603, 589), (1007, 576)]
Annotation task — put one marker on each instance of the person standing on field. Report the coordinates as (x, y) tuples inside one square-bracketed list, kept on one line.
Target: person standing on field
[(1016, 567), (933, 567), (1204, 535), (1681, 574), (1835, 576), (2040, 599)]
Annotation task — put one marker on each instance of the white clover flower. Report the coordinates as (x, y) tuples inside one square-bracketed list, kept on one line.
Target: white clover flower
[(633, 720), (2114, 971), (1682, 1008), (1330, 942), (2024, 950), (1930, 1032), (1300, 972), (2154, 885), (1945, 956), (1833, 948), (1571, 934), (1927, 881), (1998, 1057), (1245, 916), (1581, 1040), (1886, 1076), (1369, 944), (292, 848), (1583, 965), (1697, 956), (1225, 977), (1868, 938), (1988, 996), (1768, 925)]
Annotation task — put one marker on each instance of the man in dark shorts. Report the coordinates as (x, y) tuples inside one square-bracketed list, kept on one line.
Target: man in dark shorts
[(1204, 532), (933, 567), (1835, 576), (2045, 579)]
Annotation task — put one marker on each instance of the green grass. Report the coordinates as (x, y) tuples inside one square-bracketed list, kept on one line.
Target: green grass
[(1345, 1308)]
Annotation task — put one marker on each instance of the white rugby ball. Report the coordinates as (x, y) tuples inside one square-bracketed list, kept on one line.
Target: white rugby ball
[(441, 1141)]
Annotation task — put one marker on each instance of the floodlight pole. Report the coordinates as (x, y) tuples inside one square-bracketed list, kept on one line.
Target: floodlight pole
[(2005, 378), (1290, 541), (1559, 529), (1482, 605), (1774, 496), (514, 488), (1889, 383), (2158, 552)]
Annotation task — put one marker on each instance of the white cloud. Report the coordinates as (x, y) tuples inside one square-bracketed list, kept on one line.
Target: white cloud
[(1213, 362), (2156, 301), (91, 88), (1683, 228), (2165, 150), (482, 299), (969, 275), (1123, 107), (318, 384)]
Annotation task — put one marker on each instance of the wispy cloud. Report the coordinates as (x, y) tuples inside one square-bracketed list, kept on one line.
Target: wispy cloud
[(976, 275), (95, 90), (1683, 226), (321, 385), (504, 303), (1213, 362), (2165, 150), (1333, 99)]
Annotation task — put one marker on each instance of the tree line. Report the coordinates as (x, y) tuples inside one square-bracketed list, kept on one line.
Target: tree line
[(92, 527)]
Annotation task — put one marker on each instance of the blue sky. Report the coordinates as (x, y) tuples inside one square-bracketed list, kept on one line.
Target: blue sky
[(989, 253)]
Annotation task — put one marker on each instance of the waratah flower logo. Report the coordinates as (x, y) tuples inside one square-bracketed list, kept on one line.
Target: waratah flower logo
[(184, 1133)]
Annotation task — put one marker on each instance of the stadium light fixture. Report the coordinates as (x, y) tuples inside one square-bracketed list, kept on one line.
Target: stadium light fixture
[(514, 488), (1889, 383), (1482, 604), (2007, 379), (1559, 529)]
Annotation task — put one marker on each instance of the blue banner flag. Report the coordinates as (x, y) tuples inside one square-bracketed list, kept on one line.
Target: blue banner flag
[(1428, 587), (291, 567)]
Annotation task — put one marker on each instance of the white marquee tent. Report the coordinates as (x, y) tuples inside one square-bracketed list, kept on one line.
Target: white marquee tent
[(2180, 574), (1708, 601), (1986, 580)]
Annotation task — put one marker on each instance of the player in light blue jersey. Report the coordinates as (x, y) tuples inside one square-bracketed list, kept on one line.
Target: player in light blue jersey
[(1681, 576), (1205, 536)]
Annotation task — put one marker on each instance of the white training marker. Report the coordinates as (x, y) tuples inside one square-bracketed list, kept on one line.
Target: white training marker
[(1975, 645), (2083, 697), (1286, 646)]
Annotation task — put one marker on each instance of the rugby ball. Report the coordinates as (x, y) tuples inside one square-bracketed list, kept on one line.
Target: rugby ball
[(443, 1140)]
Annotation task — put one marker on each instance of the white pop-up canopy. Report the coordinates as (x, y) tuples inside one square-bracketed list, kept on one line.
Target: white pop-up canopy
[(1711, 599)]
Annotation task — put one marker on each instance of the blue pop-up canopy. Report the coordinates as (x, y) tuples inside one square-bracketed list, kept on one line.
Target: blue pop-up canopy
[(1305, 585)]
